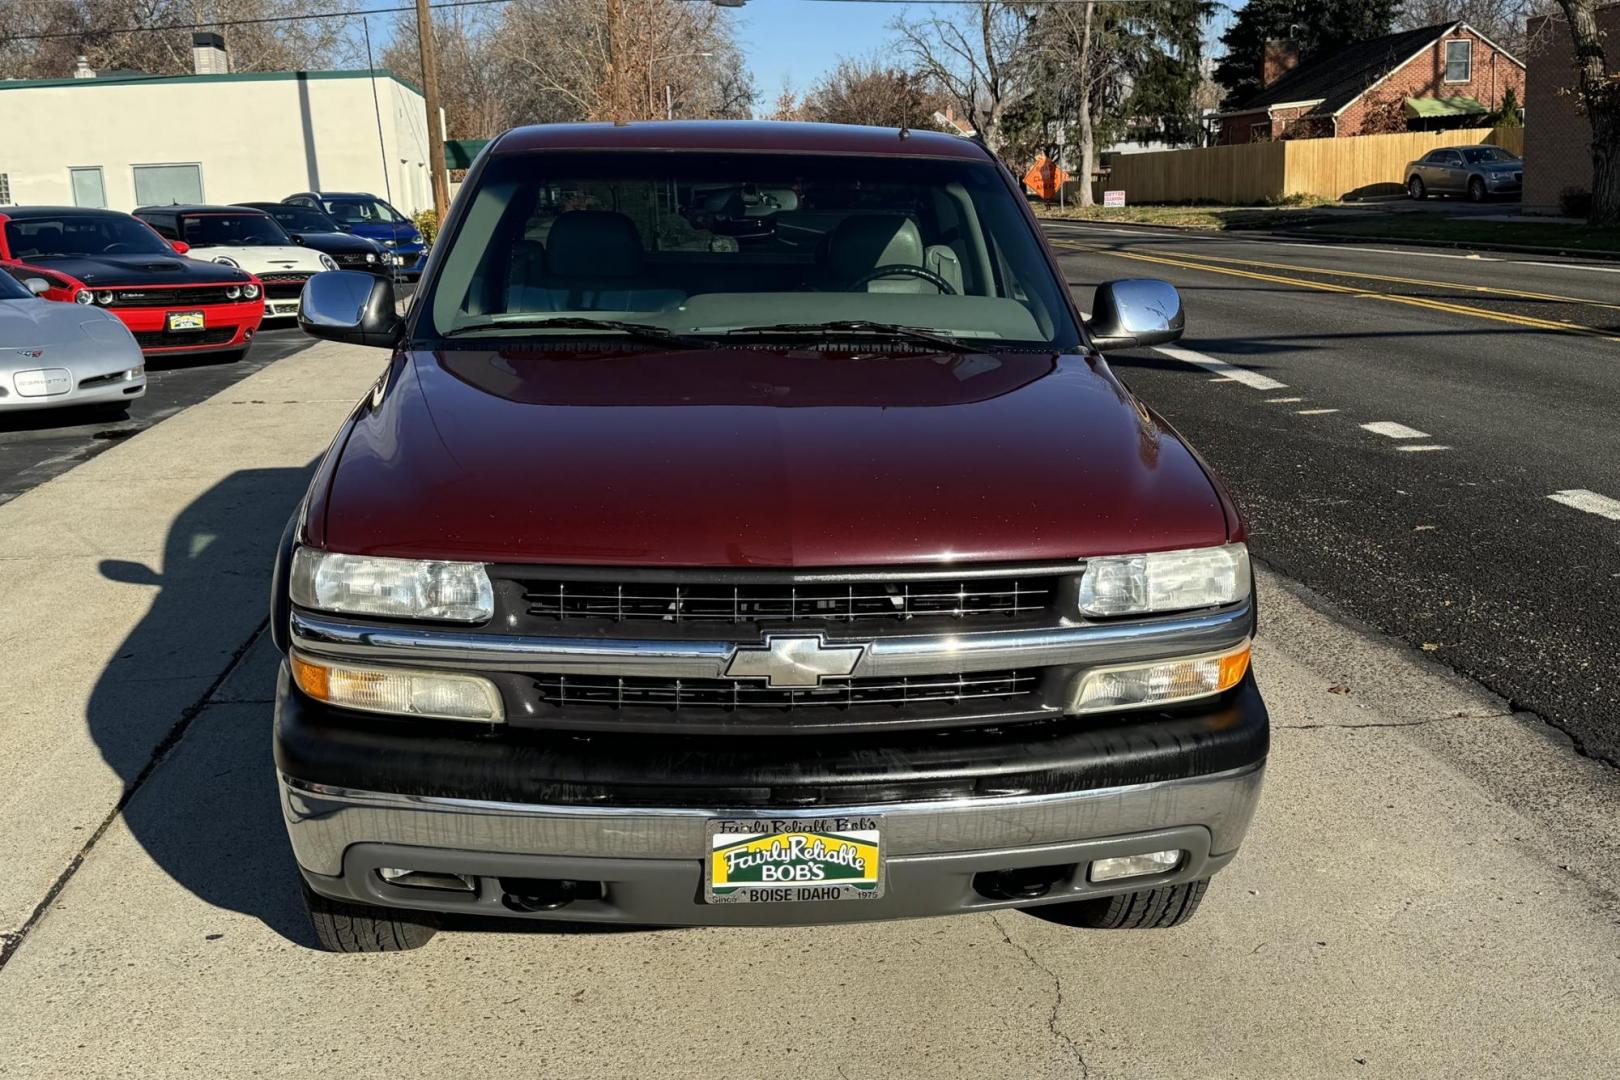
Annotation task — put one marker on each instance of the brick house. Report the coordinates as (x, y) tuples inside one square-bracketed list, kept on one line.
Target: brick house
[(1447, 75), (1558, 146)]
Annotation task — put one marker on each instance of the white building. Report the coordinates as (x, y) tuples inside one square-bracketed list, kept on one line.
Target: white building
[(125, 140)]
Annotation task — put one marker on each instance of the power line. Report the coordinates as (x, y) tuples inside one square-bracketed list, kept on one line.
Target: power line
[(222, 23), (262, 20)]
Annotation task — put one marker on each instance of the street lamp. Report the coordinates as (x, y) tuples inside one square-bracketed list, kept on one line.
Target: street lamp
[(669, 94)]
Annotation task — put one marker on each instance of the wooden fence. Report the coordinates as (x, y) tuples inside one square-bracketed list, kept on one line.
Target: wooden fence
[(1350, 168)]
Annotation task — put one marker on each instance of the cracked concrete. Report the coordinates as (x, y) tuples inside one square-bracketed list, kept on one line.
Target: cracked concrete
[(1058, 1033)]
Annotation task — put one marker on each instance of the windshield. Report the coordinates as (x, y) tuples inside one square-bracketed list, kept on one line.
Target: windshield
[(12, 289), (75, 236), (302, 219), (755, 244), (1487, 155), (362, 211), (231, 230)]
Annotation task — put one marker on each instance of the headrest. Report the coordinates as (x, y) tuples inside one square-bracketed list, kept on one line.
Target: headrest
[(866, 241), (593, 244)]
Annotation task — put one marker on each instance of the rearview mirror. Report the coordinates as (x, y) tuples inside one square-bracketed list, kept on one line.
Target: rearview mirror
[(37, 285), (1134, 312), (347, 305)]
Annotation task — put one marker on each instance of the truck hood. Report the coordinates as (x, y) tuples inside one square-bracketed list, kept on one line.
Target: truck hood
[(758, 457)]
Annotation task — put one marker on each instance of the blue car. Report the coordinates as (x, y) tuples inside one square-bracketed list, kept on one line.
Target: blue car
[(364, 214)]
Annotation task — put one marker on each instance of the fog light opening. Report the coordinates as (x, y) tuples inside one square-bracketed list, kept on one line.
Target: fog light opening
[(1129, 866), (428, 879)]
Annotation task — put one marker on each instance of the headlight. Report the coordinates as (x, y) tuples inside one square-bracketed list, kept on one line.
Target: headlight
[(1165, 581), (84, 296), (104, 298), (226, 260), (328, 262), (397, 588), (233, 292), (250, 291), (1160, 682), (437, 694)]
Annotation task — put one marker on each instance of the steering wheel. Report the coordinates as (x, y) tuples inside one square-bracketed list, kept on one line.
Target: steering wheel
[(115, 247), (904, 270)]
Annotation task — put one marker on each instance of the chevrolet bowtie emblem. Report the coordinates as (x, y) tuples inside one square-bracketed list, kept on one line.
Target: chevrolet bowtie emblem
[(793, 661)]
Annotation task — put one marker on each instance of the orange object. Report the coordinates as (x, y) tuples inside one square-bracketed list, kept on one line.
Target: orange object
[(1045, 178)]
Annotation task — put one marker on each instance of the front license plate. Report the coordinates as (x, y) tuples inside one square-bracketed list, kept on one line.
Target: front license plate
[(782, 860), (186, 320)]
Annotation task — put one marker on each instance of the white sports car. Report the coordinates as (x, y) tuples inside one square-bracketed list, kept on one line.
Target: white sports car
[(64, 354), (248, 239)]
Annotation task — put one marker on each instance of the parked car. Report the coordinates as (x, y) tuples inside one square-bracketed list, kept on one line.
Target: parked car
[(1478, 172), (665, 581), (315, 229), (114, 261), (53, 355), (366, 215), (248, 239)]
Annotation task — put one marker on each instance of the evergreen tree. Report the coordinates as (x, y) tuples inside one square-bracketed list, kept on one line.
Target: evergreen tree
[(1318, 27)]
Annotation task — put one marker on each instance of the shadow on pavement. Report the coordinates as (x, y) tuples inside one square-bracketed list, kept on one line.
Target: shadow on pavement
[(208, 814)]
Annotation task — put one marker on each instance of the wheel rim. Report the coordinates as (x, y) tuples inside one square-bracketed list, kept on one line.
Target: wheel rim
[(1415, 188), (1476, 190)]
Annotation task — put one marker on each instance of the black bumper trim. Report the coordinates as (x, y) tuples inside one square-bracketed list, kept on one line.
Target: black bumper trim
[(327, 746)]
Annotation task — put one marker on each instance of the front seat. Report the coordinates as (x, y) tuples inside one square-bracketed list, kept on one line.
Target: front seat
[(862, 243), (594, 263)]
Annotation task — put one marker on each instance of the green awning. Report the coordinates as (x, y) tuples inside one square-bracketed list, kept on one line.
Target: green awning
[(459, 153), (1432, 108)]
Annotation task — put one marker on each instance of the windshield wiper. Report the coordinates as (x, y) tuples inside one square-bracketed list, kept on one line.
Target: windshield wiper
[(863, 326), (639, 331)]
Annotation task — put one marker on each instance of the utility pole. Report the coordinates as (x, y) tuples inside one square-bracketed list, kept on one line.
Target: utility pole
[(430, 90)]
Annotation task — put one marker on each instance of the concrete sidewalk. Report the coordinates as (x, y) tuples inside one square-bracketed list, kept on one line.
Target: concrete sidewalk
[(1429, 890), (130, 585)]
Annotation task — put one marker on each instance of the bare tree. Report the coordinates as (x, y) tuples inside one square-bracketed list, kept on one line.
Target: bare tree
[(975, 60), (1500, 20), (788, 105), (475, 83), (94, 29), (1598, 93), (871, 92), (625, 59)]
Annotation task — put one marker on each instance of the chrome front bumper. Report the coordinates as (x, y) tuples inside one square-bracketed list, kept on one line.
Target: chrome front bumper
[(650, 860)]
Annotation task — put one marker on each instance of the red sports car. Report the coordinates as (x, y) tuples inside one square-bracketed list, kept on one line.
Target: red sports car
[(100, 257)]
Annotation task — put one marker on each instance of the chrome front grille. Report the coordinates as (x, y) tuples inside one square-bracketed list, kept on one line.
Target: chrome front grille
[(862, 601), (732, 695)]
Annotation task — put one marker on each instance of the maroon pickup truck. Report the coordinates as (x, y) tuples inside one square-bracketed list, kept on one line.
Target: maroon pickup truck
[(746, 529)]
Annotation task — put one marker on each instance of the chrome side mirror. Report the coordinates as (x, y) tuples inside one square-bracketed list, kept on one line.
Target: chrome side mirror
[(37, 285), (1134, 312), (347, 305)]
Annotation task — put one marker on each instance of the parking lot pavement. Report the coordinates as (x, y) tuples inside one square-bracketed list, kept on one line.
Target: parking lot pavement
[(1429, 889)]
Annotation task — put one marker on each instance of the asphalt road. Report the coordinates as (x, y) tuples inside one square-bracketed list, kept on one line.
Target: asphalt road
[(35, 446), (1430, 440)]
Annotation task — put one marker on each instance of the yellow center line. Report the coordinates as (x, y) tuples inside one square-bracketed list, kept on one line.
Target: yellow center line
[(1527, 321), (1391, 279)]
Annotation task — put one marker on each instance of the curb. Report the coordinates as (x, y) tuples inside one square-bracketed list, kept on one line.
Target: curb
[(1306, 232)]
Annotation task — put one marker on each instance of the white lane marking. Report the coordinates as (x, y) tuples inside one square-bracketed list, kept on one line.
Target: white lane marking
[(1574, 266), (1589, 501), (1391, 430), (1314, 412), (1252, 379), (1426, 446), (1282, 400)]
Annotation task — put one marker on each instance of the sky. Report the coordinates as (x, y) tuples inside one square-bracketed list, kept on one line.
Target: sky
[(800, 39)]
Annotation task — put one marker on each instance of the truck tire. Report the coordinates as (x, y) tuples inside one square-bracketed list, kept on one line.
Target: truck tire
[(342, 927), (1148, 909)]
